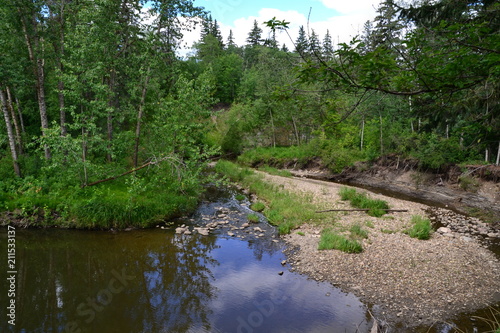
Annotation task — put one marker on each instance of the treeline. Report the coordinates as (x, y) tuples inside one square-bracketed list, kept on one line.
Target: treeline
[(100, 111)]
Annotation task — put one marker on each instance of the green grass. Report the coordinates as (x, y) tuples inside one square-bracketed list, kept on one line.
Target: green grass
[(421, 228), (240, 197), (253, 218), (257, 206), (388, 231), (330, 240), (284, 209), (300, 233), (276, 172), (358, 232), (362, 201)]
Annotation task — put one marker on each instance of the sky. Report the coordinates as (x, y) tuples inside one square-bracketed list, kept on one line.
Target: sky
[(343, 18)]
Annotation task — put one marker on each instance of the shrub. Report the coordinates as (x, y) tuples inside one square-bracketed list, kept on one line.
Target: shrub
[(421, 228)]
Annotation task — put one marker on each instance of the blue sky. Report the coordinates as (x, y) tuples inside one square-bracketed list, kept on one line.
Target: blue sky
[(343, 18)]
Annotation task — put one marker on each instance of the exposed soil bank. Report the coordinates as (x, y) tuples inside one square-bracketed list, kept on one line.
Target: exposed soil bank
[(408, 282), (474, 190)]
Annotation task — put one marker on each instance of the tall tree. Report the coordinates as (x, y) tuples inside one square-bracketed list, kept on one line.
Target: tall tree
[(255, 35), (327, 46), (301, 43)]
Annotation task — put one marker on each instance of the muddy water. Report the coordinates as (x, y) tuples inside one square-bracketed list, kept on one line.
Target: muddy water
[(158, 281)]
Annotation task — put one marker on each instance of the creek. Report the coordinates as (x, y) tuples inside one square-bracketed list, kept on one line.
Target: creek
[(155, 280)]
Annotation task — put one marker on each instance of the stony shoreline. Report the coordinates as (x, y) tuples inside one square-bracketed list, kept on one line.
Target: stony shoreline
[(406, 281)]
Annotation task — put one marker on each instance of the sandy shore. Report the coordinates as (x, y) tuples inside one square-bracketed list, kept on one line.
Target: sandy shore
[(418, 282)]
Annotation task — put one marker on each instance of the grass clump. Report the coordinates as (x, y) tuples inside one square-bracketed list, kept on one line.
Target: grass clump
[(257, 206), (375, 207), (357, 231), (240, 197), (421, 228), (300, 233), (253, 218), (330, 240)]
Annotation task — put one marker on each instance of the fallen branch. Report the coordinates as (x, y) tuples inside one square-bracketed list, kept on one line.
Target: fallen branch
[(360, 210)]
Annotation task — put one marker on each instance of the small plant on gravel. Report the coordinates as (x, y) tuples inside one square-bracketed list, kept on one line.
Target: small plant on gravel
[(357, 231), (300, 233), (387, 231), (375, 207), (421, 228), (257, 206), (370, 224), (240, 197), (330, 240), (253, 218)]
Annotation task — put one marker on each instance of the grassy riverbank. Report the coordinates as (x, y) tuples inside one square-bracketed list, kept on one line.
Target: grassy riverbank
[(284, 209), (135, 201)]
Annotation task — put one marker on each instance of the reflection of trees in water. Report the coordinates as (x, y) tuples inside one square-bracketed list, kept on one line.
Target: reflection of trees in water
[(64, 275)]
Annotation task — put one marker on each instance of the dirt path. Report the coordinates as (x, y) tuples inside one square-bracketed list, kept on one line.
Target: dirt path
[(406, 280)]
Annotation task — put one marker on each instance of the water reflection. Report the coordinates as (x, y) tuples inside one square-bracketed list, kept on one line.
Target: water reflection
[(157, 281)]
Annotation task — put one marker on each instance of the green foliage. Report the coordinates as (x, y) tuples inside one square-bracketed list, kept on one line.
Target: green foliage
[(331, 240), (277, 157), (276, 172), (469, 183), (358, 232), (420, 229), (257, 206), (254, 218), (361, 200)]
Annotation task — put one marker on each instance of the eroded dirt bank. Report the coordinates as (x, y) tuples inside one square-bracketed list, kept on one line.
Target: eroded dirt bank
[(407, 281), (474, 189)]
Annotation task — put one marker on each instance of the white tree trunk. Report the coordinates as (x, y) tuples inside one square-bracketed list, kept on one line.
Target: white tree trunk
[(10, 133)]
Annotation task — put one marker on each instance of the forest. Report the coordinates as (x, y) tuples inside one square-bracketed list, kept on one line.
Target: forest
[(105, 126)]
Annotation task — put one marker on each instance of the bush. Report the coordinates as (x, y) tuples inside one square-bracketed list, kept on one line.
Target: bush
[(421, 228)]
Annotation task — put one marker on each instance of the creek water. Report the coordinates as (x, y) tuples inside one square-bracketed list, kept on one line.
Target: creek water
[(155, 280)]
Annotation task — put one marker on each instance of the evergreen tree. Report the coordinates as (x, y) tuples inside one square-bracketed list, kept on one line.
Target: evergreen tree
[(230, 40), (217, 34), (327, 46), (255, 35), (301, 44), (314, 44)]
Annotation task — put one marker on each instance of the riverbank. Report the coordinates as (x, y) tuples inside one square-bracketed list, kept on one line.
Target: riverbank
[(407, 281)]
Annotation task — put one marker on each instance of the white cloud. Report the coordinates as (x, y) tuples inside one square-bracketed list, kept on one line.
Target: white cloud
[(343, 28), (352, 6)]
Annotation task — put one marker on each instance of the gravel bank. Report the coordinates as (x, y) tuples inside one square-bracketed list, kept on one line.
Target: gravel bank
[(408, 281)]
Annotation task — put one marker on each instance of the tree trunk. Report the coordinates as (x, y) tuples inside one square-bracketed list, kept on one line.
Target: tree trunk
[(20, 113), (19, 142), (10, 133), (362, 133), (39, 71), (111, 105), (498, 155), (140, 114), (272, 126), (296, 131)]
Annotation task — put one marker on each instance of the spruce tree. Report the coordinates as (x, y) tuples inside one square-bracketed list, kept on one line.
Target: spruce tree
[(301, 44), (327, 46), (255, 35)]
